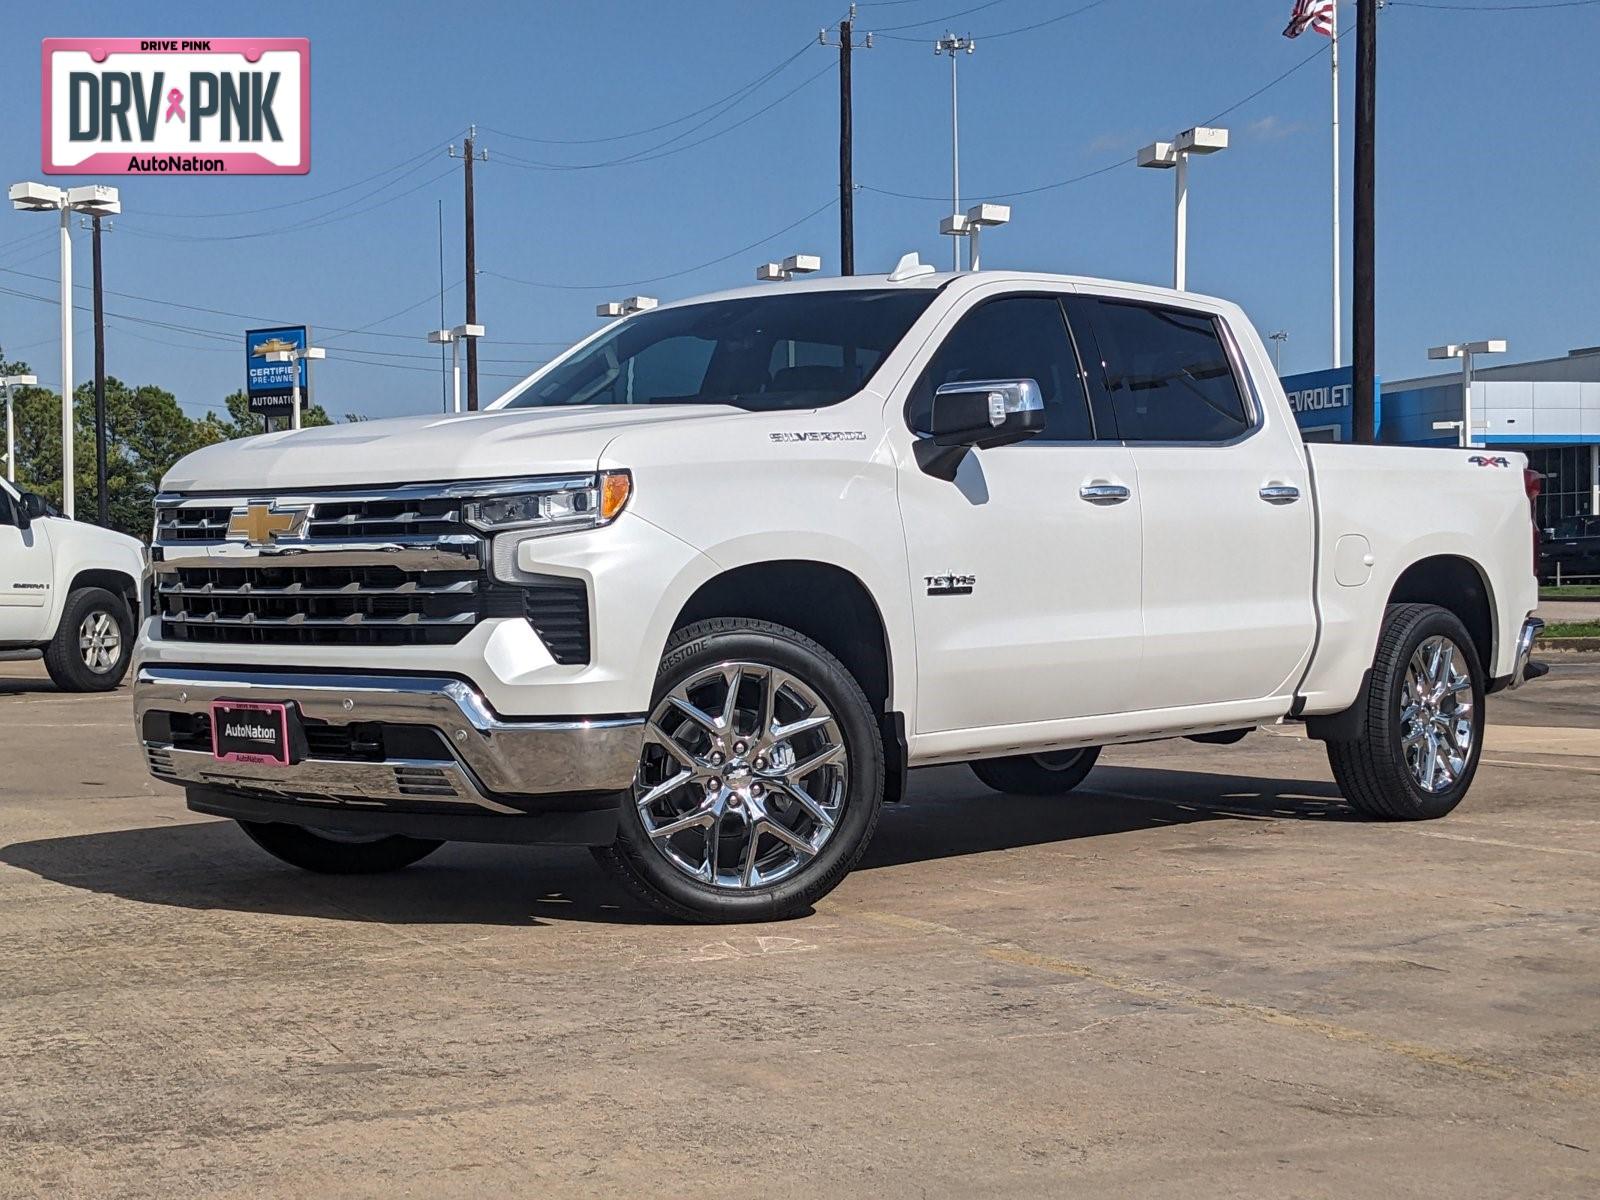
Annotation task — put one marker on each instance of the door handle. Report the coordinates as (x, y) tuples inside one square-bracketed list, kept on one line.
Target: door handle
[(1280, 493), (1104, 493)]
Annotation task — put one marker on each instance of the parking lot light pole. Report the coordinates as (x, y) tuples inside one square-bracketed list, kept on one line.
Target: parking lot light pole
[(453, 338), (1202, 139), (625, 308), (297, 356), (8, 382), (93, 200), (1464, 351)]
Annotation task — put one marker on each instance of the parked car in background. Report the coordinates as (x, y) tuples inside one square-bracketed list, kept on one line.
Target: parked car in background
[(698, 593), (69, 590), (1571, 549)]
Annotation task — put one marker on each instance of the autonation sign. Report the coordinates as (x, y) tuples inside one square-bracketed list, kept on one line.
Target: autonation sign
[(165, 106)]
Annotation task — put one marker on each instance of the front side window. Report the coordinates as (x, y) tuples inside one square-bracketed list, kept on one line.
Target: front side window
[(1014, 337), (1165, 372), (764, 353)]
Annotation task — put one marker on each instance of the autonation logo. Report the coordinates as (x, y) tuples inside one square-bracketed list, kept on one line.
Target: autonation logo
[(168, 106)]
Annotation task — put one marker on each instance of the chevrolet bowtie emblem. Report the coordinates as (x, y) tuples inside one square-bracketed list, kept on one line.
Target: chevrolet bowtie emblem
[(264, 524)]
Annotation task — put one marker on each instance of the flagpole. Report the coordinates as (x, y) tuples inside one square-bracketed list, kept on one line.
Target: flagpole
[(1338, 300)]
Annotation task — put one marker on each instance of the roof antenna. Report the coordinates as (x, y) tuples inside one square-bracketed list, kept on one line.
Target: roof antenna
[(909, 267)]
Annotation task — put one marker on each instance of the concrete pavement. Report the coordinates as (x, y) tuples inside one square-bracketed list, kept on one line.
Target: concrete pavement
[(1198, 976)]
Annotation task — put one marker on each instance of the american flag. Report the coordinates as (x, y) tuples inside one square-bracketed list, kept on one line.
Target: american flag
[(1317, 14)]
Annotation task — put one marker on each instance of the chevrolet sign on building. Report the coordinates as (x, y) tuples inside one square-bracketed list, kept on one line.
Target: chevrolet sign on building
[(169, 106)]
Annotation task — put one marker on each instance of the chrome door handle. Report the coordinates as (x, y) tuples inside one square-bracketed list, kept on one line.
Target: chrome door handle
[(1280, 493), (1104, 493)]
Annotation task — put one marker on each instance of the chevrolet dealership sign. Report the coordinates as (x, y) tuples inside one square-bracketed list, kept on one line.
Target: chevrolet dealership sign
[(168, 106)]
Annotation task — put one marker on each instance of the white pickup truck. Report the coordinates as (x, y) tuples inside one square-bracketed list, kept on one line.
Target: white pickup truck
[(68, 590), (699, 592)]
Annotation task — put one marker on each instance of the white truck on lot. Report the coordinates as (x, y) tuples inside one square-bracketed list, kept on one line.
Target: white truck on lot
[(68, 590), (699, 592)]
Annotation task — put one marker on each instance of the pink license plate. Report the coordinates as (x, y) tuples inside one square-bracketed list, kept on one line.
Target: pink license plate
[(250, 731)]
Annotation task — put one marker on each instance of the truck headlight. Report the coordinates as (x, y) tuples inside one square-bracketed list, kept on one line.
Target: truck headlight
[(550, 505)]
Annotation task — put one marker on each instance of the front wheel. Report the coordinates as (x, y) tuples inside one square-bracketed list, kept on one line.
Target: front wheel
[(329, 852), (1422, 720), (1052, 774), (760, 780), (89, 652)]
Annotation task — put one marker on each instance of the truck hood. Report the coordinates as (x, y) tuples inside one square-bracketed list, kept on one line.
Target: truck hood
[(483, 445)]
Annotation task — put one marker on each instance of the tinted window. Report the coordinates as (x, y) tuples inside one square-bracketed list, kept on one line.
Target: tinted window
[(1017, 337), (738, 352), (1164, 371)]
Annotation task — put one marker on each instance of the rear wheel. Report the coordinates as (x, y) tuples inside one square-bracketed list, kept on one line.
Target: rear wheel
[(1052, 774), (760, 780), (1422, 720), (330, 852)]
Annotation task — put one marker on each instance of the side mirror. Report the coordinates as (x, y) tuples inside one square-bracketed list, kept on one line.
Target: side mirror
[(977, 414), (33, 507)]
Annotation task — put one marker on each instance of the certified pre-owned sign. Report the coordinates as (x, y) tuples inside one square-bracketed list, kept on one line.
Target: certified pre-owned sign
[(169, 106)]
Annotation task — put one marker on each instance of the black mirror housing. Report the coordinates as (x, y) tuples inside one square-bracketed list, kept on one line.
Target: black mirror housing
[(978, 414)]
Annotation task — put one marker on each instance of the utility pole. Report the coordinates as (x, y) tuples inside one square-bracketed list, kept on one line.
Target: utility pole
[(100, 386), (847, 181), (952, 45), (1363, 323), (1278, 338), (469, 153)]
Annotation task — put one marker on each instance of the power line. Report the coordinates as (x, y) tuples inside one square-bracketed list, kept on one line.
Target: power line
[(659, 151), (620, 137), (596, 287), (1121, 162), (1003, 33), (245, 212), (938, 20)]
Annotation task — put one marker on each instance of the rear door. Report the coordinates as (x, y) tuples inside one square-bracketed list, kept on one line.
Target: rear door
[(1228, 529), (1025, 567)]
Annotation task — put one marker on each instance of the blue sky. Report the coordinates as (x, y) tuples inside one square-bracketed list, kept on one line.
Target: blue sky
[(1488, 173)]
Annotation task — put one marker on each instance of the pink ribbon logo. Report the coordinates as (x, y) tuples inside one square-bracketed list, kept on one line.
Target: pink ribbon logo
[(175, 105)]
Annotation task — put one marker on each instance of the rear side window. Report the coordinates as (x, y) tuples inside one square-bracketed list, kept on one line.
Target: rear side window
[(1163, 372), (1014, 337)]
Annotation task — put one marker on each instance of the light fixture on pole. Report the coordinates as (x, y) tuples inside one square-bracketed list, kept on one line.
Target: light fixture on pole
[(297, 356), (8, 382), (795, 264), (1278, 338), (953, 45), (1464, 351), (625, 308), (1202, 139), (970, 225), (453, 338), (95, 200)]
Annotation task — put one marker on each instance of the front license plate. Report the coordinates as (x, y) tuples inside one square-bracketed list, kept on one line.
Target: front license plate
[(254, 732)]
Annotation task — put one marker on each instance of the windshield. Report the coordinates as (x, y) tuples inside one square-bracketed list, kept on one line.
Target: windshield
[(764, 353)]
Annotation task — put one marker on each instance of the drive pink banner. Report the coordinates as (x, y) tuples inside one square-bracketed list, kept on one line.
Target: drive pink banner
[(171, 106)]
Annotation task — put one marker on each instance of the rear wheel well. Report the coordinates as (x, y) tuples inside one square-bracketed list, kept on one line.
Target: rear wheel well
[(1454, 584), (826, 603)]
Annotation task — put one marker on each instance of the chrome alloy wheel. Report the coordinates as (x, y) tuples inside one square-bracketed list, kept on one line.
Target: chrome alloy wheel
[(100, 641), (1059, 760), (1436, 715), (744, 776)]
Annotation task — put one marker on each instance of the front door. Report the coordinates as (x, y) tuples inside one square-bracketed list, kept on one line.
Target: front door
[(24, 573), (1227, 506), (1024, 568)]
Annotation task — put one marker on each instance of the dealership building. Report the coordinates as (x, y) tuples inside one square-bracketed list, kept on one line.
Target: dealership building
[(1549, 410)]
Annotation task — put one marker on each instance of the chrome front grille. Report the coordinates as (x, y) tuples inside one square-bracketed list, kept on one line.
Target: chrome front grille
[(284, 601), (392, 567)]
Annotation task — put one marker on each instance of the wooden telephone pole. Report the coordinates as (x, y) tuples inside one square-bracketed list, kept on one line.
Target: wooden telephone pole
[(847, 181), (1363, 323), (469, 155)]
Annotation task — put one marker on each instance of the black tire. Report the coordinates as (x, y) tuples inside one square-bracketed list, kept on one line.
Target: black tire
[(1053, 774), (332, 855), (1372, 770), (64, 657), (645, 870)]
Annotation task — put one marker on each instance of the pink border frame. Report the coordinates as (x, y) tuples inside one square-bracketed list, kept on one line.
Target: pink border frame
[(250, 706), (114, 162)]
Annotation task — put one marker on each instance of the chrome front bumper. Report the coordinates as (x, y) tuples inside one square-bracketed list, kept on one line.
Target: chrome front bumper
[(493, 765), (1520, 673)]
